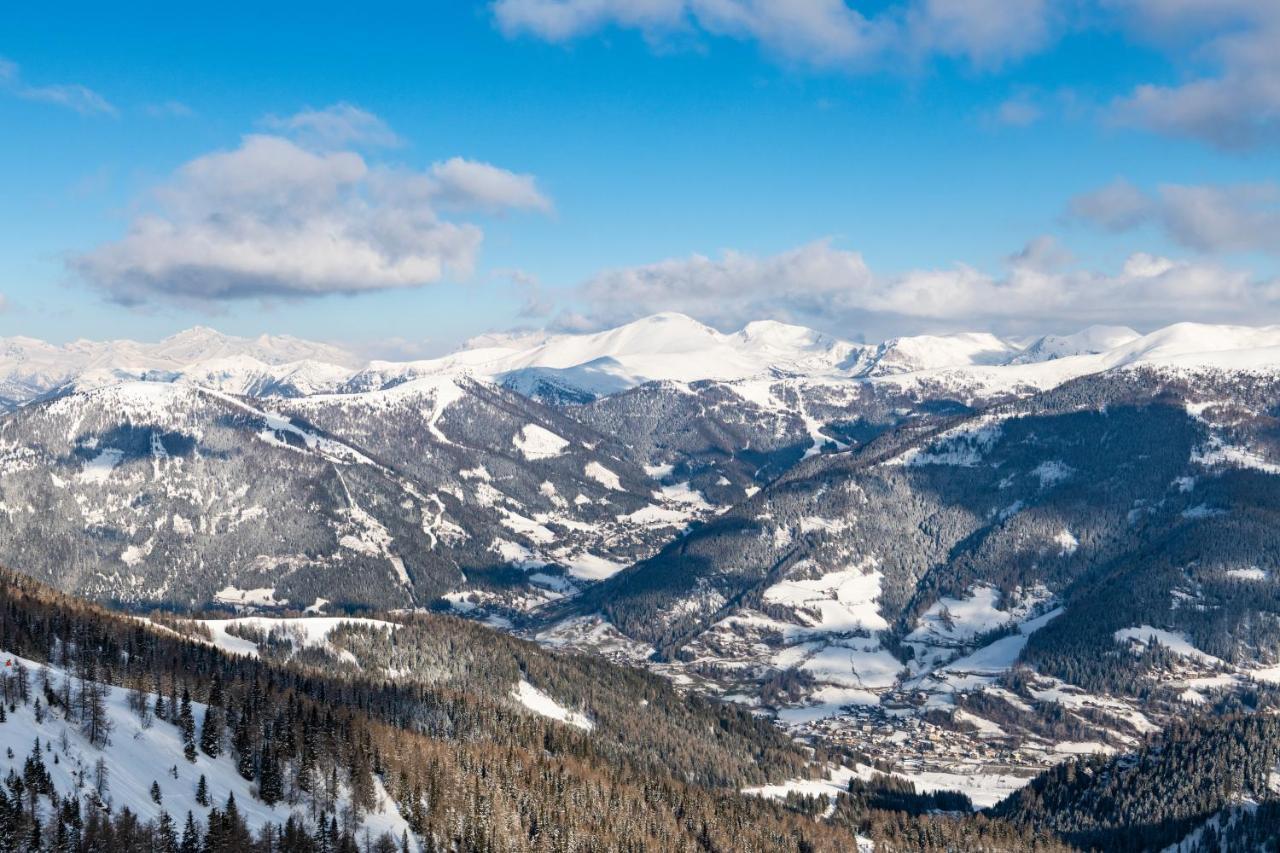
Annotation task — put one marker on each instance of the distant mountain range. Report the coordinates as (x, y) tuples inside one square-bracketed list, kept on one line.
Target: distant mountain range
[(1011, 549), (663, 347)]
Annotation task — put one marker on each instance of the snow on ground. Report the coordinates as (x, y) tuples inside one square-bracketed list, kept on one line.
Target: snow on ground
[(537, 442), (305, 632), (591, 567), (1067, 542), (684, 494), (1177, 643), (1250, 574), (1216, 454), (1000, 655), (259, 596), (136, 756), (963, 446), (597, 634), (1070, 696), (603, 476), (836, 601), (984, 789), (540, 703), (950, 621), (836, 782), (99, 468), (1083, 747)]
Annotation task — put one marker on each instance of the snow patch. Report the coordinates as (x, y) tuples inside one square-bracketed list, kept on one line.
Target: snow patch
[(540, 703), (537, 442)]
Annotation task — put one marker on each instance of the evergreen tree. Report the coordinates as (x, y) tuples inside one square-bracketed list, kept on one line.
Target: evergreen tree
[(243, 743), (187, 725), (211, 727), (191, 842), (202, 791), (166, 835)]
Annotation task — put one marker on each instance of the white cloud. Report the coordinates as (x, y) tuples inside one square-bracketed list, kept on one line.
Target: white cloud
[(335, 126), (274, 218), (1224, 55), (816, 32), (169, 109), (72, 96), (1017, 112), (1232, 48), (1241, 217), (833, 289), (471, 184)]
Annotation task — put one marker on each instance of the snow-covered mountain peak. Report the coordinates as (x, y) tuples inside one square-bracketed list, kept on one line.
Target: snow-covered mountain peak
[(930, 352), (1089, 341), (666, 347)]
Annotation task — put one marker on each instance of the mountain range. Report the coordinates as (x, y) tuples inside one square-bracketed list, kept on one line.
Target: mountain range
[(966, 556)]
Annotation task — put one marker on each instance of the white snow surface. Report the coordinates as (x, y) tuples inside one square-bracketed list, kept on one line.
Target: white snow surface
[(1174, 642), (305, 631), (137, 756), (540, 703), (537, 442)]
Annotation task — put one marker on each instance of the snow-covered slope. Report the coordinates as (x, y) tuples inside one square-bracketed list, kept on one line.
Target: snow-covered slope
[(668, 346), (137, 755)]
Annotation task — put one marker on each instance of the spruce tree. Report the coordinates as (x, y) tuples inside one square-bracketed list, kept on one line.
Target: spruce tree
[(243, 743), (166, 834), (190, 836), (187, 724), (211, 727)]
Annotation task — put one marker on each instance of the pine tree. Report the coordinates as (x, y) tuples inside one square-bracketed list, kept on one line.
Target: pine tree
[(190, 836), (211, 727), (93, 712), (270, 778), (187, 724), (156, 796), (166, 835), (202, 791), (243, 743)]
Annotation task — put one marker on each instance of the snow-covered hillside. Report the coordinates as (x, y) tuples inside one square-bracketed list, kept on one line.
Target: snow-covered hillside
[(140, 753)]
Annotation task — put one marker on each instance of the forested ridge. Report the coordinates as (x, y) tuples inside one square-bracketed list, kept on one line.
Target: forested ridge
[(1170, 787), (468, 772)]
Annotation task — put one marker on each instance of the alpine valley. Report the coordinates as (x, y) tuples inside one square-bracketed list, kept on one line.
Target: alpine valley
[(880, 586)]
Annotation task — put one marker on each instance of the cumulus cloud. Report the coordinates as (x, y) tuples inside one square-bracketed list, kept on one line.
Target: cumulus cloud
[(1232, 97), (833, 289), (335, 126), (471, 184), (818, 32), (1224, 54), (275, 218), (72, 96), (1241, 217)]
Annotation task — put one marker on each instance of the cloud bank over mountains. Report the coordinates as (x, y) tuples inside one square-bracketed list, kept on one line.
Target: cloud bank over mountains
[(834, 289)]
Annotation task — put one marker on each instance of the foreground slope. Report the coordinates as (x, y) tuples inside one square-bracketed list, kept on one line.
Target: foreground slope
[(332, 751)]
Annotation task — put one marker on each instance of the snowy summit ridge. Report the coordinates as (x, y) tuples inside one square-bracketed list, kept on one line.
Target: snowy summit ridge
[(666, 347)]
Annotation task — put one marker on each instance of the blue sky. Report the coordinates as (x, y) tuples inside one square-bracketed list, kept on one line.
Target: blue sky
[(401, 177)]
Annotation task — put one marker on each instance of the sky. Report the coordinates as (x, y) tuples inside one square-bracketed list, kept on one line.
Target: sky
[(401, 177)]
